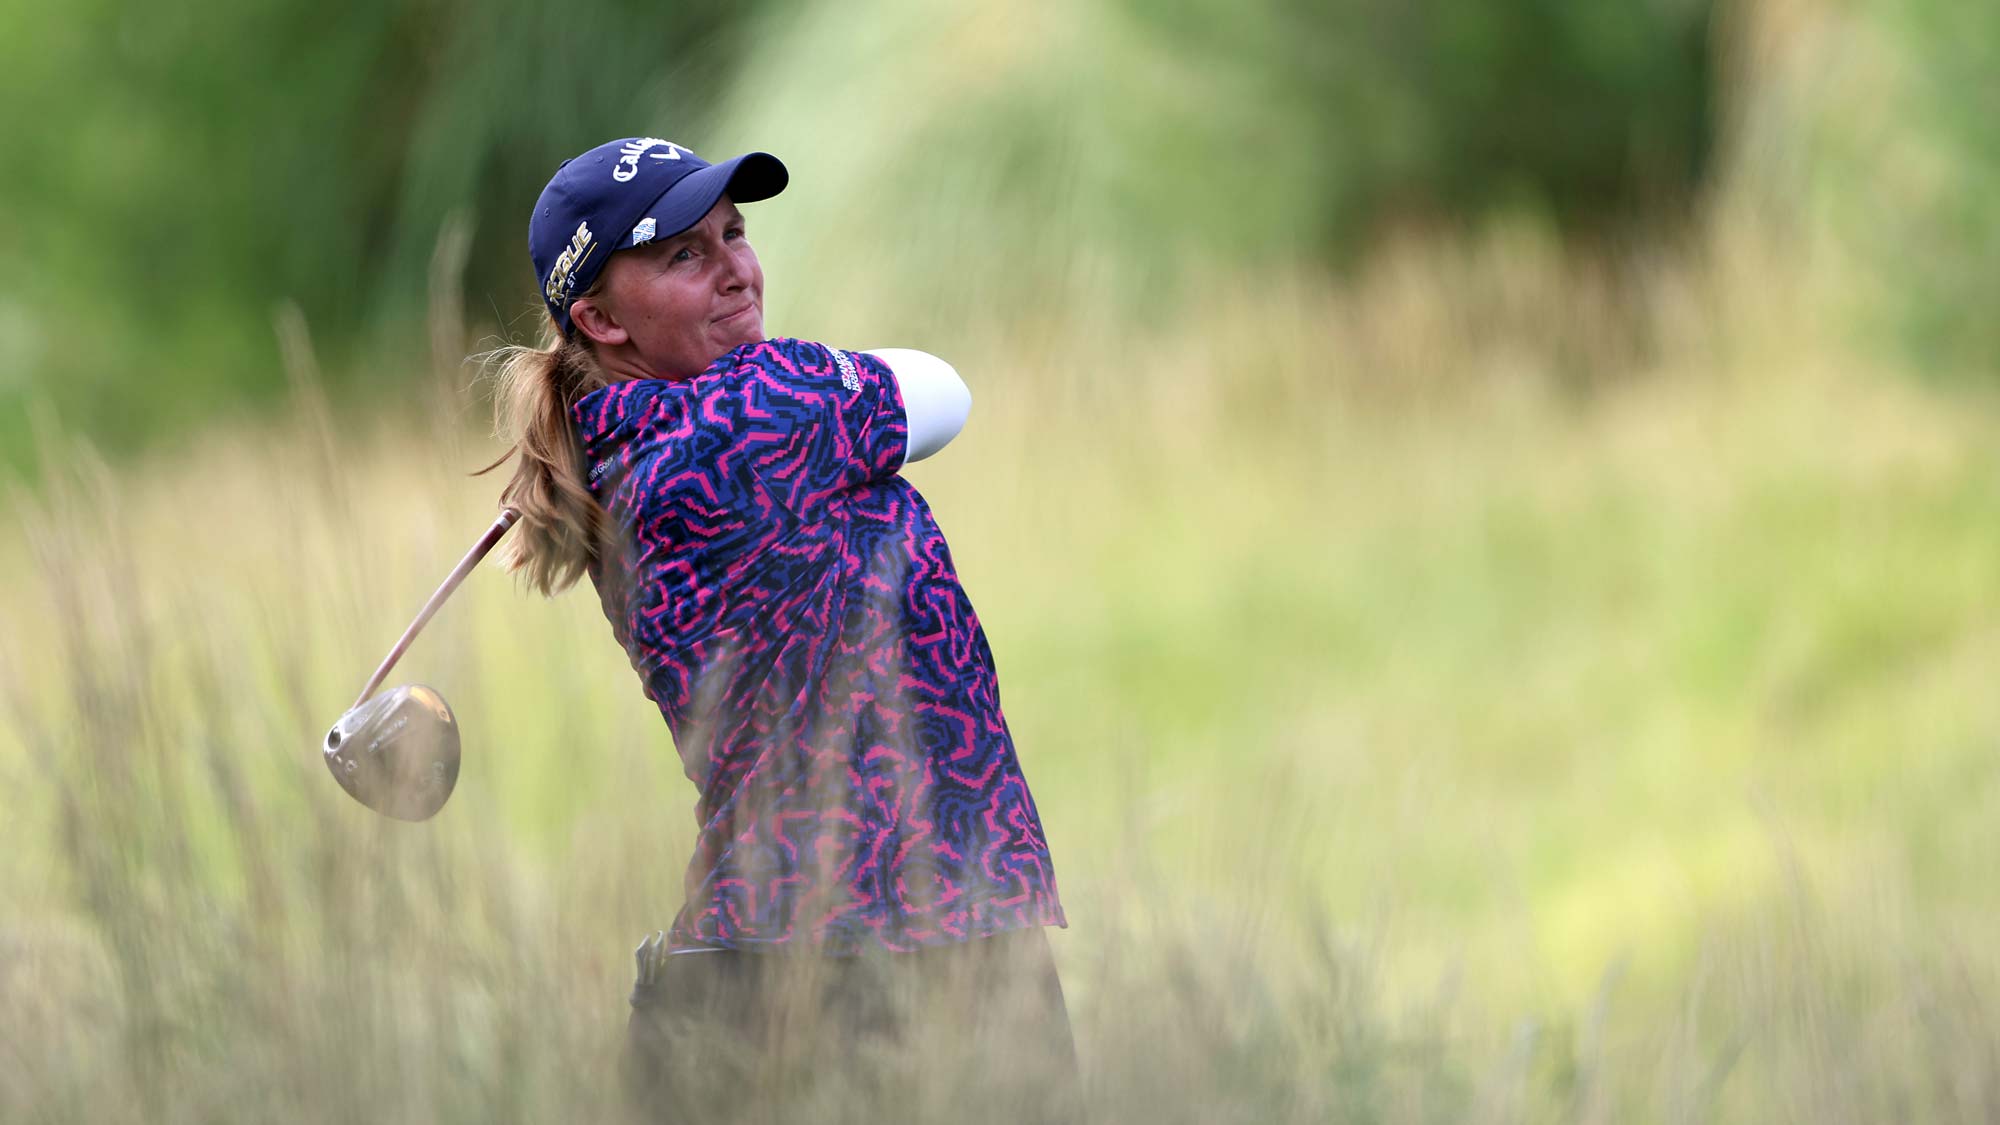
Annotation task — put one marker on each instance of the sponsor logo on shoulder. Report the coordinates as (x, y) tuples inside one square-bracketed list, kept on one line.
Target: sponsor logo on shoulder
[(643, 233), (629, 154), (849, 377)]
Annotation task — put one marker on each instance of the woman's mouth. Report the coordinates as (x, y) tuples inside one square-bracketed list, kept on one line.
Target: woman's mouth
[(735, 317)]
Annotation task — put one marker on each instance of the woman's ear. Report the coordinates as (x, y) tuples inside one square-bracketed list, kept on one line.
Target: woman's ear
[(597, 322)]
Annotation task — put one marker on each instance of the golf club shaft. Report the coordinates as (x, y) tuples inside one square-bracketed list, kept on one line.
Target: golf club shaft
[(464, 567)]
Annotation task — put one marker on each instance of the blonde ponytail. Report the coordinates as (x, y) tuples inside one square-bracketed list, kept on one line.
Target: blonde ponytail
[(563, 529)]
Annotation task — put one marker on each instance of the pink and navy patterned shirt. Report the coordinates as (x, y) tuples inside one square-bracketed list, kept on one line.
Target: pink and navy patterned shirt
[(791, 606)]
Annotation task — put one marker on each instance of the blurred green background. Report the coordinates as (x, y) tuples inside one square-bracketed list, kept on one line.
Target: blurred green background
[(184, 170), (1487, 514)]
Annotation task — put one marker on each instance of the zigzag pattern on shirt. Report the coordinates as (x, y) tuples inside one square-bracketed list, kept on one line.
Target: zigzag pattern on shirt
[(792, 608)]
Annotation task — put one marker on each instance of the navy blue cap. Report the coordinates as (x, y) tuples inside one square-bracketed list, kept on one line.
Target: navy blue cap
[(626, 193)]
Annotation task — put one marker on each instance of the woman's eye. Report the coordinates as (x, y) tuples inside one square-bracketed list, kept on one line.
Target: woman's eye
[(733, 232), (683, 255)]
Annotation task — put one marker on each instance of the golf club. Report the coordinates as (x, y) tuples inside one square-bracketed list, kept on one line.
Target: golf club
[(397, 753)]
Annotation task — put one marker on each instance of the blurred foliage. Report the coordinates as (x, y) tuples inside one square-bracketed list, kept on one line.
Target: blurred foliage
[(1101, 161), (1416, 742), (1444, 109), (962, 168), (1863, 139), (186, 169), (1419, 741), (222, 160), (1914, 190)]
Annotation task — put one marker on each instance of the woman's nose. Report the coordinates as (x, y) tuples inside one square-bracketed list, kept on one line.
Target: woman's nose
[(735, 270)]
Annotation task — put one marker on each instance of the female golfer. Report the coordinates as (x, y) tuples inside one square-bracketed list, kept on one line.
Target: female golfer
[(869, 879)]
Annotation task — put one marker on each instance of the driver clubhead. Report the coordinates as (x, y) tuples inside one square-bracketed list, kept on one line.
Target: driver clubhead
[(397, 753)]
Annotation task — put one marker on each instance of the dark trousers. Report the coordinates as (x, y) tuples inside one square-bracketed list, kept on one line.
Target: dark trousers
[(970, 1032)]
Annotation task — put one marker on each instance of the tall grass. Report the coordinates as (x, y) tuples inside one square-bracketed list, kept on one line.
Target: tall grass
[(1443, 707)]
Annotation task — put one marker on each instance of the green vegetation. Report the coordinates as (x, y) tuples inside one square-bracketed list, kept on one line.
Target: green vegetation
[(1493, 660), (1408, 755), (218, 164), (184, 171)]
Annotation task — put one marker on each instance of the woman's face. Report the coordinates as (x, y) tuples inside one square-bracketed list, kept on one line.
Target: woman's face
[(670, 308)]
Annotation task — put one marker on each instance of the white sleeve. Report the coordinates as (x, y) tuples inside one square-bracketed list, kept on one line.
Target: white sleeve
[(935, 399)]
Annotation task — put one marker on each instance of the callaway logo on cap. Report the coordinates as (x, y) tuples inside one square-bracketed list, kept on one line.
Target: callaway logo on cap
[(625, 193)]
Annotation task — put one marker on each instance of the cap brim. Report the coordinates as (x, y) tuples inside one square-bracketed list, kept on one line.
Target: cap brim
[(745, 179)]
